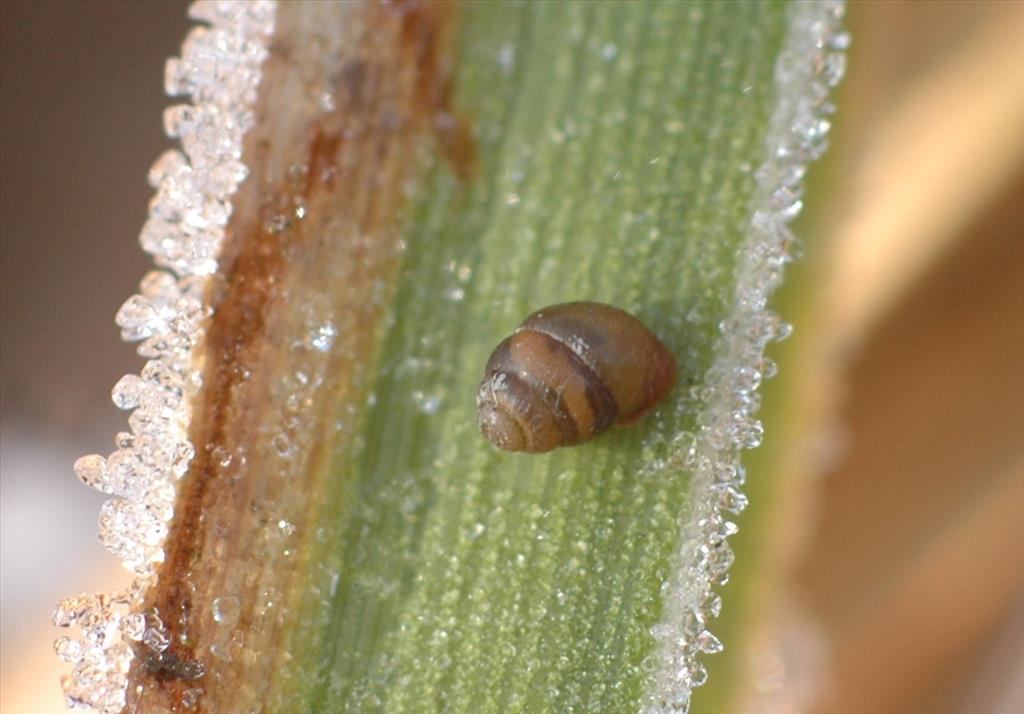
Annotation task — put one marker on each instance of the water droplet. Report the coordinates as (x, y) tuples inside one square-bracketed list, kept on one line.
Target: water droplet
[(68, 649), (226, 610), (190, 697), (155, 639), (708, 643), (322, 338), (506, 55), (127, 393), (283, 445), (133, 626), (92, 471), (426, 403)]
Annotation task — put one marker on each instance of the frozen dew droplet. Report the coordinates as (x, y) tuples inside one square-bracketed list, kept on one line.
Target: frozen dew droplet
[(681, 701), (133, 626), (190, 697), (92, 471), (323, 337), (708, 643), (124, 440), (137, 318), (68, 649), (749, 434), (169, 163), (155, 639), (426, 403), (226, 610), (731, 499), (175, 77), (283, 446), (181, 456), (71, 609), (127, 392), (506, 55), (715, 605), (698, 674)]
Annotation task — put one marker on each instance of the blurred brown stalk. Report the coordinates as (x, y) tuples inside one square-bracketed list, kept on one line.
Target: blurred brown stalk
[(915, 568)]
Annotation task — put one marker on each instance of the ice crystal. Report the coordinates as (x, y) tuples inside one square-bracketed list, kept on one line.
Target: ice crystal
[(811, 63), (219, 69)]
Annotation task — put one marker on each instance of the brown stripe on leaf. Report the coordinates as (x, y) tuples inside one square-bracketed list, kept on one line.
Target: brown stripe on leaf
[(352, 94)]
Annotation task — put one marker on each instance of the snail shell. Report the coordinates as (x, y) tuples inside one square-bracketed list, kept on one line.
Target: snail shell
[(568, 373)]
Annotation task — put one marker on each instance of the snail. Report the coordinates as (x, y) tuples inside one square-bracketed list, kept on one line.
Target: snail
[(568, 373)]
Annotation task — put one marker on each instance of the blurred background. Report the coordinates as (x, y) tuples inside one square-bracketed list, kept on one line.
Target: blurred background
[(899, 445), (82, 99)]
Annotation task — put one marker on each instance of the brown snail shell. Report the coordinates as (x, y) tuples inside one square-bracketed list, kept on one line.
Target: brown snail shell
[(568, 373)]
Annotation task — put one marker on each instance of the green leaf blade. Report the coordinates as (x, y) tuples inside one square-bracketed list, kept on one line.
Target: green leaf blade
[(617, 154)]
